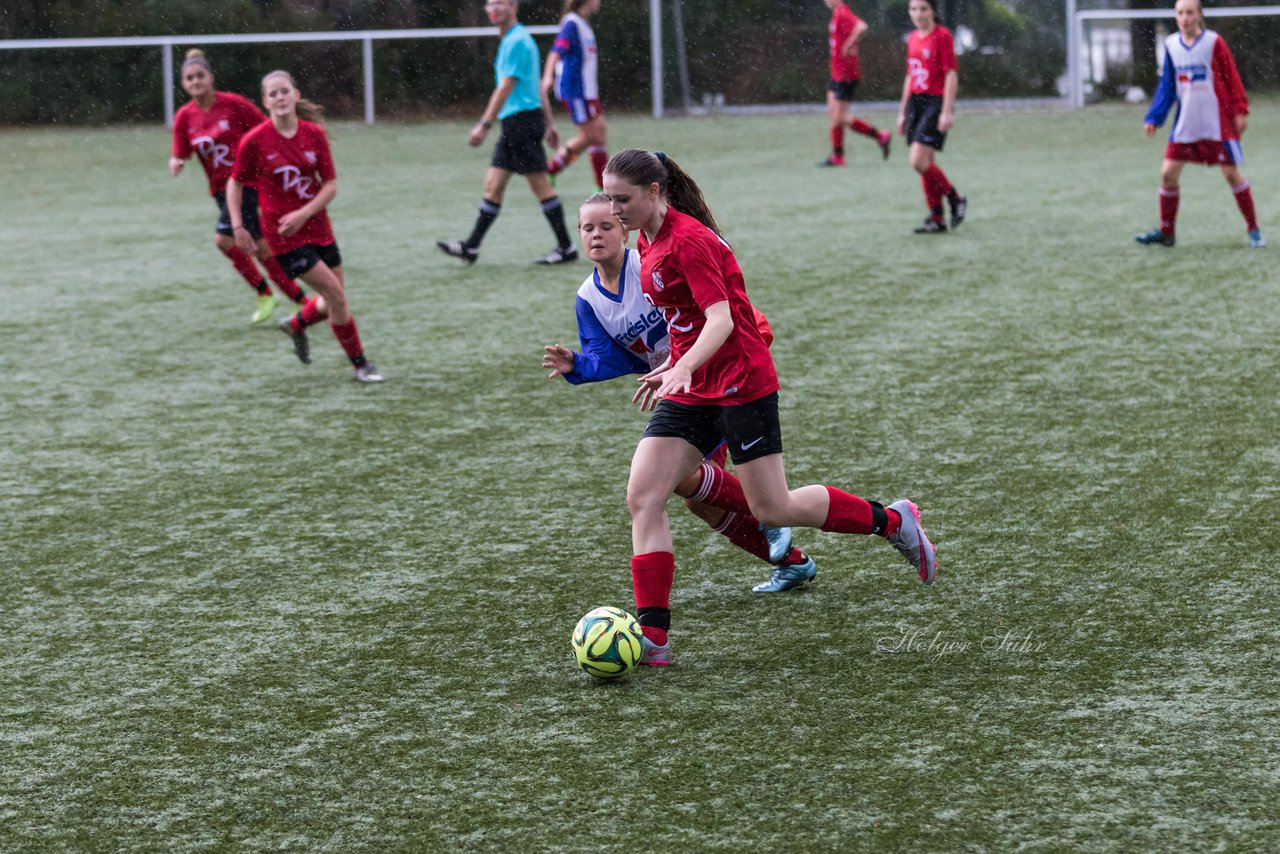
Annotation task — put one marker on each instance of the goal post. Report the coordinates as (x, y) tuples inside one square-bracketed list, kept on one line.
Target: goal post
[(1079, 65)]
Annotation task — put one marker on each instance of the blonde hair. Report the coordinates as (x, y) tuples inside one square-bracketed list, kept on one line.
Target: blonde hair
[(195, 56), (308, 111)]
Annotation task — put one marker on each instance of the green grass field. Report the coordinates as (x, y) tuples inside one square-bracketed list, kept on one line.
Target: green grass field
[(251, 605)]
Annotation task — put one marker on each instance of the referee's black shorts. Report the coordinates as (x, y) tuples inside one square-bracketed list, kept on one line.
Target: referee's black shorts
[(519, 147)]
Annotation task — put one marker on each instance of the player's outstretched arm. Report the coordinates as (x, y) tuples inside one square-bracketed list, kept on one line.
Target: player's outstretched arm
[(559, 359)]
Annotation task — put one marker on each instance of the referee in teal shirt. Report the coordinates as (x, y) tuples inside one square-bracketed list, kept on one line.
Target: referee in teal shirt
[(517, 102)]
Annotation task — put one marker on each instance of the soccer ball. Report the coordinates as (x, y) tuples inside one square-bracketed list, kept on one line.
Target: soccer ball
[(606, 643)]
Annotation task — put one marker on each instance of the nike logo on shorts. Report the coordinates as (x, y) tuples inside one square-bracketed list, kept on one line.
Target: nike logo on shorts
[(746, 446)]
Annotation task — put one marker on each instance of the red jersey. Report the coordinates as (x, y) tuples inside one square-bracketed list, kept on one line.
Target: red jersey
[(929, 58), (683, 271), (214, 134), (287, 174), (843, 22)]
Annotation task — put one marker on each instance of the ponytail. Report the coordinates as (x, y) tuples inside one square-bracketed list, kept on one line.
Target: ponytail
[(642, 168), (195, 56)]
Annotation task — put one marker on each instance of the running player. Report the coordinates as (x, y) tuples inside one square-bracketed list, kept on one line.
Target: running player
[(525, 114), (844, 32), (718, 383), (571, 69), (210, 126), (1200, 76), (288, 160), (927, 111), (622, 334)]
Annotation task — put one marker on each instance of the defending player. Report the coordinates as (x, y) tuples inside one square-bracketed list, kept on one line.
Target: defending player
[(1200, 76), (525, 114), (844, 32), (621, 333), (571, 70), (288, 160), (718, 383), (210, 126), (927, 111)]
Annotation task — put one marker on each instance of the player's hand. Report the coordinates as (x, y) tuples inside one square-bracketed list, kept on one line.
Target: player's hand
[(245, 242), (902, 125), (552, 136), (1149, 130), (946, 120), (478, 133), (175, 166), (1242, 124), (559, 359), (291, 222)]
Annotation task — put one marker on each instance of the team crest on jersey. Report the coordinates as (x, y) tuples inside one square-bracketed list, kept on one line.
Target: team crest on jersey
[(658, 284), (224, 124), (926, 53), (310, 155)]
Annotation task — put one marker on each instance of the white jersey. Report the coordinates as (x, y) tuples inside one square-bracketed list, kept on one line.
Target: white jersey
[(635, 325), (576, 73)]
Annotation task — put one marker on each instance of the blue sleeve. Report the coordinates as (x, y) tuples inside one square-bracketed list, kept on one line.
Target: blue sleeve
[(567, 41), (1166, 94), (602, 358)]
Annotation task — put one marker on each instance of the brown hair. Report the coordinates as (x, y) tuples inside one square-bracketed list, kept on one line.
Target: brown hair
[(573, 6), (308, 111), (596, 199), (641, 168), (195, 56)]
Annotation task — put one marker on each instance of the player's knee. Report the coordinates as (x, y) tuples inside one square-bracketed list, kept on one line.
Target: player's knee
[(223, 242)]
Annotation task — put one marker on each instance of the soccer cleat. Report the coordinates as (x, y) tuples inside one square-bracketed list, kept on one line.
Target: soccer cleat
[(1155, 236), (959, 208), (559, 255), (652, 655), (931, 226), (1256, 240), (301, 346), (779, 540), (911, 542), (833, 160), (788, 577), (266, 307), (885, 139), (366, 373), (458, 249)]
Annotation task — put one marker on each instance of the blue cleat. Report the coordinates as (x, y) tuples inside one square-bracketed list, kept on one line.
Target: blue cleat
[(1155, 237), (911, 542), (788, 577), (779, 540), (1256, 240)]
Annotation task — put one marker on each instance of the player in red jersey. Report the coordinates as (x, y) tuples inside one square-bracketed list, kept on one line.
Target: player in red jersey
[(288, 160), (927, 111), (844, 32), (210, 126), (718, 382)]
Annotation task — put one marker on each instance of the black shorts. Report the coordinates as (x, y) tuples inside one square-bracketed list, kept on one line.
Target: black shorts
[(843, 89), (300, 260), (751, 429), (248, 213), (519, 147), (922, 121)]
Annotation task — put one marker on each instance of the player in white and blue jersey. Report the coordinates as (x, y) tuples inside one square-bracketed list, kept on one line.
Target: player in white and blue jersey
[(1200, 78), (571, 71), (623, 333)]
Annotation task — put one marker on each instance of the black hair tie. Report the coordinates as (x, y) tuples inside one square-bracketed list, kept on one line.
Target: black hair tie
[(662, 157)]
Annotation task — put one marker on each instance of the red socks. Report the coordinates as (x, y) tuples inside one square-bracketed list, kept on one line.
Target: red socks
[(721, 489), (1244, 200), (247, 269), (1169, 208), (936, 186), (849, 514), (837, 140), (287, 286), (652, 575), (349, 338), (744, 532), (599, 159), (310, 313), (859, 126)]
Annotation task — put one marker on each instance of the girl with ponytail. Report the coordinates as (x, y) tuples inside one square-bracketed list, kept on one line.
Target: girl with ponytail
[(718, 383), (288, 160), (210, 126)]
